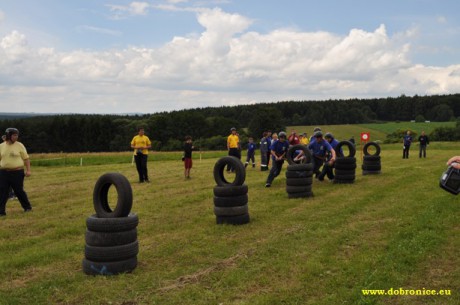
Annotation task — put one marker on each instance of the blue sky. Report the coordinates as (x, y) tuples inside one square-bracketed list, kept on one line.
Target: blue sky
[(149, 56)]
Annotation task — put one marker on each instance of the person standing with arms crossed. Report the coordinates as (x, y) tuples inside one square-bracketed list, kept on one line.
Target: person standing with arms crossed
[(13, 157), (141, 144)]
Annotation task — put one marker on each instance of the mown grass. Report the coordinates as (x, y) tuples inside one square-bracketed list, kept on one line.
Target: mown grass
[(397, 229)]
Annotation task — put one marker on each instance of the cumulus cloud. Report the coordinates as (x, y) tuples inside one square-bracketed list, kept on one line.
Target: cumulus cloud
[(227, 64)]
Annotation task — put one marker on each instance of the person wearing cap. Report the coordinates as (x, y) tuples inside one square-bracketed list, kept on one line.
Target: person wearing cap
[(329, 164), (320, 149), (141, 144), (312, 138), (264, 148), (278, 151), (13, 158), (233, 145)]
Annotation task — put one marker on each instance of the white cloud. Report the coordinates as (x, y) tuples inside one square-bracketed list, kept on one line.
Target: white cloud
[(226, 64), (2, 16), (98, 30), (133, 9)]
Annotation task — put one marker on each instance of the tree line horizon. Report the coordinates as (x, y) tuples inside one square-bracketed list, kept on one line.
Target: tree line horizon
[(211, 125)]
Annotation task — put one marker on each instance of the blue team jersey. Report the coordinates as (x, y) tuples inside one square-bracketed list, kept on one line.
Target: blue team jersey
[(279, 147), (251, 147), (407, 140), (320, 149)]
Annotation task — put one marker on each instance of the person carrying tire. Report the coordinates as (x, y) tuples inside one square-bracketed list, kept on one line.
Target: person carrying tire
[(141, 144), (320, 148), (329, 164), (13, 157), (407, 140), (278, 152), (233, 146)]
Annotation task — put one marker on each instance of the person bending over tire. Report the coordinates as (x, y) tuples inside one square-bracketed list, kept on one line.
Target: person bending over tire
[(320, 148), (13, 157), (278, 152), (329, 164)]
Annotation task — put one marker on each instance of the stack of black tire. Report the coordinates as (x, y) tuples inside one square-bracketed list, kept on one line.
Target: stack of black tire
[(299, 176), (111, 236), (345, 166), (371, 162), (230, 198)]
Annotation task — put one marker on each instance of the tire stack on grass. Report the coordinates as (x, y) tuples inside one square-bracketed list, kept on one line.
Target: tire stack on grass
[(345, 166), (371, 162), (111, 236), (299, 177), (230, 198)]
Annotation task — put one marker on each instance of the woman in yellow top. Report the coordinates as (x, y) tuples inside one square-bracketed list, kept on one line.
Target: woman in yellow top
[(141, 144), (13, 157)]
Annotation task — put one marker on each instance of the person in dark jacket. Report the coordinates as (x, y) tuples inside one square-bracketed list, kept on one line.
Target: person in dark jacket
[(407, 140), (264, 148), (423, 141), (320, 148), (187, 157), (329, 164), (278, 151)]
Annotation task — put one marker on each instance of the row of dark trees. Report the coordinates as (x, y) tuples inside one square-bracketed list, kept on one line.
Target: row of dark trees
[(209, 126)]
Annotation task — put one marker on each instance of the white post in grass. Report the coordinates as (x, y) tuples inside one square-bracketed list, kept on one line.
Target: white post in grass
[(81, 161)]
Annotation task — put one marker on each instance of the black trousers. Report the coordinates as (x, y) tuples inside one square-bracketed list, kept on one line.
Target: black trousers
[(141, 165), (422, 150), (275, 170), (14, 180), (327, 170), (235, 152), (406, 152)]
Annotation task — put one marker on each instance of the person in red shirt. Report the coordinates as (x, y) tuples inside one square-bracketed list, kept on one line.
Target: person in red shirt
[(293, 138)]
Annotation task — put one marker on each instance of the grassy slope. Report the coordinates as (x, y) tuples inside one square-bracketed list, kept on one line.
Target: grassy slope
[(397, 229), (377, 131)]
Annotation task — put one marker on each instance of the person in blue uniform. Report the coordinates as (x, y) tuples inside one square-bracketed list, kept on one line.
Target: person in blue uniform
[(250, 153), (407, 140), (329, 165), (278, 151), (320, 148), (264, 148)]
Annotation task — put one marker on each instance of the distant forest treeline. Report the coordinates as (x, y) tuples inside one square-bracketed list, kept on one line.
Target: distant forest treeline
[(209, 126)]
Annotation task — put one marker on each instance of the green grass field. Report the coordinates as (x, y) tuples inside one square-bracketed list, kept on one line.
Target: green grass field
[(389, 231), (378, 132)]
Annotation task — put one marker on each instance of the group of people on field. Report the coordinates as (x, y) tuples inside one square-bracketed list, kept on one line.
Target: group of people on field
[(274, 147), (423, 143)]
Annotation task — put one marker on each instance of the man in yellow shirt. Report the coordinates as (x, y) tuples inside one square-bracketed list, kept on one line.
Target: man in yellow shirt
[(233, 146), (13, 157), (141, 144)]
